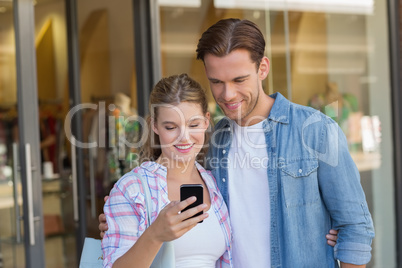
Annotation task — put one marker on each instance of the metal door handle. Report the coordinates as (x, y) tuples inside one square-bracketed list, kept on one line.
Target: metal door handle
[(31, 224), (15, 193), (74, 178)]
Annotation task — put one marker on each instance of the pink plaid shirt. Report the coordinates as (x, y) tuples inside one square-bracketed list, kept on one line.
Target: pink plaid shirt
[(126, 216)]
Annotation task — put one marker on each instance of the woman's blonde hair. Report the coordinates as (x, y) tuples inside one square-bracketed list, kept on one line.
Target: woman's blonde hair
[(171, 90)]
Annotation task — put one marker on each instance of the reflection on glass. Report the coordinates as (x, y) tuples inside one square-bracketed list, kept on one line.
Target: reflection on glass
[(324, 54), (108, 81), (11, 239)]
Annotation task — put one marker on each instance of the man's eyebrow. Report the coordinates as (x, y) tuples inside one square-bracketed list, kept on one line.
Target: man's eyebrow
[(236, 78), (241, 77), (213, 79)]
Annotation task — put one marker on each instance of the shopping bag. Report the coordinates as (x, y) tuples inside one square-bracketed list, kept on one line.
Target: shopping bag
[(91, 256), (165, 257)]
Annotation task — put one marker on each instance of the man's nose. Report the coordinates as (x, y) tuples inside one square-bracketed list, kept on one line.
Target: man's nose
[(229, 92)]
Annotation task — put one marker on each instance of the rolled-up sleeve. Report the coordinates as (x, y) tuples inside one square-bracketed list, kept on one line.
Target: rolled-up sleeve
[(125, 215), (339, 182)]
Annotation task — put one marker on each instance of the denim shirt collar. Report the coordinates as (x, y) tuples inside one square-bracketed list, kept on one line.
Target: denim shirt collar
[(280, 110)]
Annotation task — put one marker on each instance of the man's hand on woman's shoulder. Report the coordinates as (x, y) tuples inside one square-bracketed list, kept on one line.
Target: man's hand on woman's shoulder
[(102, 222)]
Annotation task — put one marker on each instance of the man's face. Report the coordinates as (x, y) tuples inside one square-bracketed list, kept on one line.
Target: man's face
[(236, 84)]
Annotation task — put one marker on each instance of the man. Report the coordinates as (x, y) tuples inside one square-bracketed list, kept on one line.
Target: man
[(280, 208), (283, 169)]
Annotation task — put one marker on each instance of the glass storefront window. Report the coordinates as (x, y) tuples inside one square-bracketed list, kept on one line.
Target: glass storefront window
[(331, 55), (11, 238), (108, 80)]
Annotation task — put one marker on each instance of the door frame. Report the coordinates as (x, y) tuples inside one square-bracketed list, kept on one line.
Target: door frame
[(74, 85), (396, 68), (29, 137)]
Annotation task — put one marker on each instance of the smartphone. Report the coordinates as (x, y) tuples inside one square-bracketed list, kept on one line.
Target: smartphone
[(188, 190)]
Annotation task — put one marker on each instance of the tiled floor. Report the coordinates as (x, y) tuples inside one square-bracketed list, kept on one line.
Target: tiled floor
[(60, 244)]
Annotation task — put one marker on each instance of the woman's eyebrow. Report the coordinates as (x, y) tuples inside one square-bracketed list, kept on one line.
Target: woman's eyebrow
[(196, 118), (168, 122)]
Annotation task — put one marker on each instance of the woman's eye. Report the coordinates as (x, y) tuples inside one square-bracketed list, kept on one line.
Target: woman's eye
[(169, 128), (195, 125)]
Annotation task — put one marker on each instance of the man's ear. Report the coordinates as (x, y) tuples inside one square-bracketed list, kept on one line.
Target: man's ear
[(153, 126), (263, 70)]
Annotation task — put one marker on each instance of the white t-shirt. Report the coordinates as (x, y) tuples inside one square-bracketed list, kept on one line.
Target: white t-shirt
[(249, 201), (202, 246)]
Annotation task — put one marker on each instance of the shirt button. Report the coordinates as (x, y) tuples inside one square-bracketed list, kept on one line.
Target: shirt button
[(223, 179), (300, 170), (224, 151)]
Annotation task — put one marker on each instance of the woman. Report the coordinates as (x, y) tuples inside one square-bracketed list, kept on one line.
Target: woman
[(178, 123)]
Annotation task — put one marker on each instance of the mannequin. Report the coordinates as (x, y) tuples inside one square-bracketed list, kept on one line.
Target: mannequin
[(123, 103), (123, 128)]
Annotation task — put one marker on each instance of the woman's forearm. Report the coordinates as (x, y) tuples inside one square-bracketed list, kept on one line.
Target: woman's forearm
[(142, 253)]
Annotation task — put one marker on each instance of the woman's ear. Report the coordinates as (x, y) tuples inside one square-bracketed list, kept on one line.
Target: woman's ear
[(207, 118), (153, 126)]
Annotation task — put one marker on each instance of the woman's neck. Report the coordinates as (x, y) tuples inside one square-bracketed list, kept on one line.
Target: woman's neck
[(180, 171)]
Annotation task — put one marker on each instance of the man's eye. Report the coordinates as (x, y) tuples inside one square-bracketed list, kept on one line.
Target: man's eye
[(240, 81), (215, 82)]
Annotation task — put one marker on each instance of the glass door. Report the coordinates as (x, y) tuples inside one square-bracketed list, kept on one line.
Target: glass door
[(11, 240), (21, 228), (38, 97), (36, 188), (108, 98), (59, 191)]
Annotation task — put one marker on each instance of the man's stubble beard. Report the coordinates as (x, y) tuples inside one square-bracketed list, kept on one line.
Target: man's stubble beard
[(239, 118)]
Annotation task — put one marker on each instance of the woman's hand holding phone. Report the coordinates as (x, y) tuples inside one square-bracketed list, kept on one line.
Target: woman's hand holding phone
[(171, 224)]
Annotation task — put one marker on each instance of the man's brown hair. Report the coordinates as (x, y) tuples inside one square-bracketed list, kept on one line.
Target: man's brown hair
[(230, 34)]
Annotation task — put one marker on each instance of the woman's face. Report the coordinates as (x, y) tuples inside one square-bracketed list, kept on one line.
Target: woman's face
[(181, 130)]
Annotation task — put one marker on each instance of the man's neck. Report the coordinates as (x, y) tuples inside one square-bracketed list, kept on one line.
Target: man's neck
[(261, 111)]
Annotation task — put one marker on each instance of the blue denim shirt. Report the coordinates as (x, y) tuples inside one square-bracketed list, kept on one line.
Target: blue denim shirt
[(314, 186)]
